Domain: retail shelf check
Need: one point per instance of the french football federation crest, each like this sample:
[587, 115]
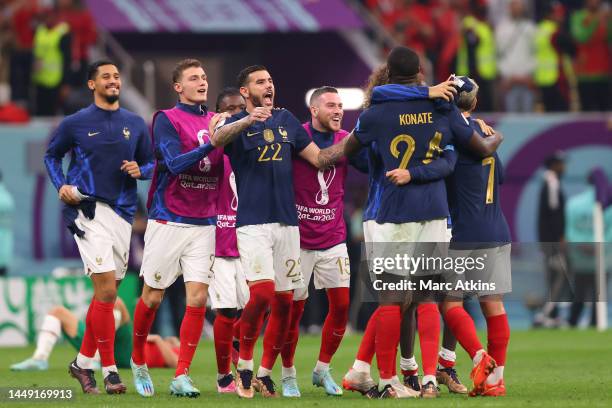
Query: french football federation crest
[283, 132]
[268, 135]
[126, 133]
[157, 276]
[99, 260]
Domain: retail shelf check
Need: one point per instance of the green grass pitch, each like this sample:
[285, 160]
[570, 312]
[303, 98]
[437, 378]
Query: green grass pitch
[544, 369]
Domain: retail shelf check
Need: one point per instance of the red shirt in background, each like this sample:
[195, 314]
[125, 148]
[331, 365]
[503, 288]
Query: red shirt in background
[24, 24]
[82, 29]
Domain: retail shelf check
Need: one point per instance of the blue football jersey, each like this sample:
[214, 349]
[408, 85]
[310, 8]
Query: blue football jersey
[473, 193]
[408, 135]
[99, 141]
[261, 157]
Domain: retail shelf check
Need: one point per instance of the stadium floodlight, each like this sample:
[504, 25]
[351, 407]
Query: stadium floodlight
[352, 98]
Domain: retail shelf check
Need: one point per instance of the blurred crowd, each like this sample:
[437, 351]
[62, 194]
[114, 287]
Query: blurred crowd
[527, 56]
[44, 53]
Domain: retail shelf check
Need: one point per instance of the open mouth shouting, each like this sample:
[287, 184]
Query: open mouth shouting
[268, 98]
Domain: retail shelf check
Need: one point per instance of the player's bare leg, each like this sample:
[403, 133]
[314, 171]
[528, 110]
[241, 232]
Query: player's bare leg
[498, 335]
[144, 315]
[408, 363]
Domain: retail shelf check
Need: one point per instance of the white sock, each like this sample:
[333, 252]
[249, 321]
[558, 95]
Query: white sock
[383, 382]
[496, 375]
[447, 355]
[478, 356]
[430, 378]
[47, 337]
[409, 363]
[361, 366]
[321, 367]
[108, 369]
[288, 372]
[245, 364]
[84, 362]
[263, 372]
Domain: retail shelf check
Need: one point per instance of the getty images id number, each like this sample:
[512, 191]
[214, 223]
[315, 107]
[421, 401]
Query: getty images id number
[40, 394]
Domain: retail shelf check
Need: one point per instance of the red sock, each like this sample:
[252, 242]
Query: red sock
[387, 339]
[88, 346]
[445, 363]
[367, 347]
[222, 329]
[260, 297]
[335, 323]
[103, 323]
[276, 330]
[428, 327]
[191, 331]
[143, 319]
[293, 333]
[409, 372]
[462, 326]
[498, 336]
[236, 329]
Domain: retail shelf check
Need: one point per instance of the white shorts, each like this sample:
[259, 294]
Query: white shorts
[171, 250]
[493, 278]
[228, 289]
[330, 266]
[106, 244]
[414, 239]
[271, 251]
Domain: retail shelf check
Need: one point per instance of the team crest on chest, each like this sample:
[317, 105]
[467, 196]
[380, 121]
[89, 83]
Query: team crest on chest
[268, 135]
[126, 133]
[283, 132]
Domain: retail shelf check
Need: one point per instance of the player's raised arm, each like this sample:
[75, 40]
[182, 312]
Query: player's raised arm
[227, 133]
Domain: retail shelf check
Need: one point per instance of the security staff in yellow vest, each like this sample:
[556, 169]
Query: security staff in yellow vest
[476, 54]
[549, 73]
[51, 49]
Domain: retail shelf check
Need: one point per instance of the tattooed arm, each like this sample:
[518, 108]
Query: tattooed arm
[227, 133]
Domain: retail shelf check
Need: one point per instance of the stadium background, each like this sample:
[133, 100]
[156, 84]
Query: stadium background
[305, 44]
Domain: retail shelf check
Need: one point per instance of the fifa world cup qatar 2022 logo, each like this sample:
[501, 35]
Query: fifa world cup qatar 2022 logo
[204, 165]
[325, 179]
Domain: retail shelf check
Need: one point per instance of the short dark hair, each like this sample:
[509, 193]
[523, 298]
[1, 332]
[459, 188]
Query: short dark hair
[320, 91]
[403, 64]
[92, 70]
[182, 65]
[228, 91]
[243, 75]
